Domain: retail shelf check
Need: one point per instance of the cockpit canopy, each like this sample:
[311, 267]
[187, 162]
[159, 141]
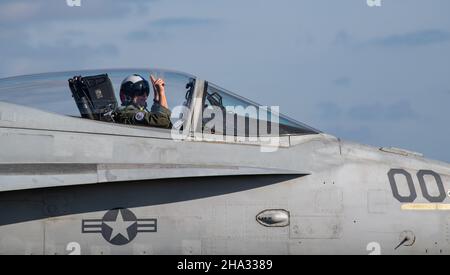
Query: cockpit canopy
[51, 92]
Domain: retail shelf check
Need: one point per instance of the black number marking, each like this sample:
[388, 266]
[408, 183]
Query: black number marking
[441, 197]
[412, 189]
[412, 196]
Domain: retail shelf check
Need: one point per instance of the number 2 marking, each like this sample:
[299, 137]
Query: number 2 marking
[74, 248]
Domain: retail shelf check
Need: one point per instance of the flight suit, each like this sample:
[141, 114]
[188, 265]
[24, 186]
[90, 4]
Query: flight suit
[159, 116]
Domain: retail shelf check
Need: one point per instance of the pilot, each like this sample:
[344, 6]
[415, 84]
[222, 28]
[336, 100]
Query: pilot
[134, 92]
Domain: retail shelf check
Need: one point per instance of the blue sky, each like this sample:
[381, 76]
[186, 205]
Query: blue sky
[377, 75]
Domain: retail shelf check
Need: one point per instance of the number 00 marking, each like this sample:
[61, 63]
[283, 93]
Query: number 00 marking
[412, 189]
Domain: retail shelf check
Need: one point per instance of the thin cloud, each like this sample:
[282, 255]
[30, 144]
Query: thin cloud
[184, 22]
[163, 29]
[413, 39]
[62, 55]
[18, 11]
[342, 38]
[24, 12]
[400, 110]
[141, 36]
[342, 81]
[329, 110]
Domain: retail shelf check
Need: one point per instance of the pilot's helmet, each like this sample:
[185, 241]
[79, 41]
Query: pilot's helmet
[133, 85]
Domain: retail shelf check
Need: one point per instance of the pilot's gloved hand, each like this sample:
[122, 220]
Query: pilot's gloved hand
[158, 84]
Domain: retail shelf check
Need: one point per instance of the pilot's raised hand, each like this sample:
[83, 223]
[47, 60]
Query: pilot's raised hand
[158, 87]
[158, 84]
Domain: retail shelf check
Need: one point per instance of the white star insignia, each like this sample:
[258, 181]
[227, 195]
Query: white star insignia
[119, 227]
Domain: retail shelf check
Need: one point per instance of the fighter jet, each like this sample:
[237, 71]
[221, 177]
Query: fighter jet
[230, 177]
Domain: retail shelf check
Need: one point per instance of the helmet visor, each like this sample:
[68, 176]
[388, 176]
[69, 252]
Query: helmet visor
[141, 88]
